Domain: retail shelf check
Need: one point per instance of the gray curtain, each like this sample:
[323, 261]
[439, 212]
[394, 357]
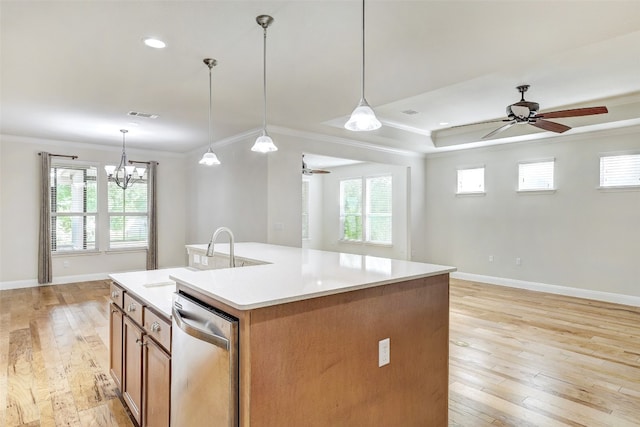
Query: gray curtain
[152, 250]
[45, 272]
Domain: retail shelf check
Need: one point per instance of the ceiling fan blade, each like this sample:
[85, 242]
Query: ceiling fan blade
[314, 171]
[589, 111]
[480, 123]
[500, 129]
[550, 126]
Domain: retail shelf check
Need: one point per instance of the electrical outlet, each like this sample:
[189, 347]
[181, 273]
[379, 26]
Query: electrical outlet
[384, 352]
[490, 258]
[518, 261]
[196, 259]
[204, 260]
[65, 264]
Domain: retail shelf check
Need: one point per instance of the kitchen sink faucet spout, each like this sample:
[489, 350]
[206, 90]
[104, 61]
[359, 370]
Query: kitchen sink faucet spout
[210, 248]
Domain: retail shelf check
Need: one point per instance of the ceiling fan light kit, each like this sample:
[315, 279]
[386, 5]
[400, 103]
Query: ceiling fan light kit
[526, 112]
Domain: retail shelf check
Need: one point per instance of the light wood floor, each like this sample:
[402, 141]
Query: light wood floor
[517, 358]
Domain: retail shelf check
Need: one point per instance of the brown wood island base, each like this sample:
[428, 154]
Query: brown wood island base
[315, 362]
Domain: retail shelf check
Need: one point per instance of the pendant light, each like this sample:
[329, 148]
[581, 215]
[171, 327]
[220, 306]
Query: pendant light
[363, 118]
[209, 158]
[264, 143]
[123, 174]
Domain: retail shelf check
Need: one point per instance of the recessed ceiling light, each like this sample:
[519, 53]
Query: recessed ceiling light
[410, 112]
[154, 43]
[444, 123]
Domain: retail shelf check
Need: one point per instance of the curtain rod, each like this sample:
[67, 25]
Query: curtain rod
[137, 161]
[61, 155]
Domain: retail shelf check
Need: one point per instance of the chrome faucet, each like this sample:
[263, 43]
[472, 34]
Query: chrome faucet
[210, 248]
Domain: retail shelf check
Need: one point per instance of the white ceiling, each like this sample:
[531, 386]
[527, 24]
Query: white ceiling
[71, 70]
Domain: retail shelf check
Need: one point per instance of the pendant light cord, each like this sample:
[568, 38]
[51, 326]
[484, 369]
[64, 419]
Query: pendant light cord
[363, 50]
[264, 80]
[210, 110]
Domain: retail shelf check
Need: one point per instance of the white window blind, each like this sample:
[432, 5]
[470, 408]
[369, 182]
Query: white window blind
[471, 180]
[536, 175]
[366, 209]
[620, 171]
[128, 215]
[305, 209]
[74, 207]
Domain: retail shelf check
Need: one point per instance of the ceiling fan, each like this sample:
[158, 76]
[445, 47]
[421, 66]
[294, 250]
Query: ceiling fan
[307, 171]
[526, 112]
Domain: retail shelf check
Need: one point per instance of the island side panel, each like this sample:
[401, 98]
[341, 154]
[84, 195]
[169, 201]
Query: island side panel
[315, 362]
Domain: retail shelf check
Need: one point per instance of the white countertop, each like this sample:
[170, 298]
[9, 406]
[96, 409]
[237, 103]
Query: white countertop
[294, 274]
[152, 286]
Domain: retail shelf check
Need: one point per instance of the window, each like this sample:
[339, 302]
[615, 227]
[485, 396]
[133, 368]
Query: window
[74, 207]
[366, 209]
[471, 180]
[305, 209]
[128, 215]
[620, 171]
[534, 176]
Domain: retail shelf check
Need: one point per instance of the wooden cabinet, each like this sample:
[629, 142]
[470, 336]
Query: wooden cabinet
[132, 340]
[115, 339]
[157, 385]
[140, 358]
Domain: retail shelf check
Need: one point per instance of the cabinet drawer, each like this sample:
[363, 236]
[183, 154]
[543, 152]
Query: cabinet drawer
[158, 327]
[133, 308]
[117, 295]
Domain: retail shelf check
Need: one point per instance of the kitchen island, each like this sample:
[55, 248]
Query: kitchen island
[312, 326]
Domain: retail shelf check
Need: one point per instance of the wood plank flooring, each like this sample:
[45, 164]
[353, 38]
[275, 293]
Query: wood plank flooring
[517, 358]
[522, 358]
[54, 359]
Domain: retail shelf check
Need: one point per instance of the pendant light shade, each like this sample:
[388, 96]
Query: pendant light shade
[264, 143]
[209, 158]
[363, 118]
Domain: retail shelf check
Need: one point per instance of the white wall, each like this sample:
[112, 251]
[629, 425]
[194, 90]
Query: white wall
[579, 236]
[232, 194]
[331, 210]
[316, 212]
[19, 207]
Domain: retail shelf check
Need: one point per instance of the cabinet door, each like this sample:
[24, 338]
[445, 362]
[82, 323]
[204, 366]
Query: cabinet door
[157, 385]
[115, 345]
[132, 375]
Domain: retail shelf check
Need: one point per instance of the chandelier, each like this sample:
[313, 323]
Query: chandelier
[123, 174]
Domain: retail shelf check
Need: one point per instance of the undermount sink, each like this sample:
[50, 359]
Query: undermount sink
[219, 261]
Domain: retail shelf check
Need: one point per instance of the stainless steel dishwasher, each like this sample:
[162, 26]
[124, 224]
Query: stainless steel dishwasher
[204, 365]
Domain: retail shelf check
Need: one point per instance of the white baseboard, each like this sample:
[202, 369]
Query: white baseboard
[552, 289]
[32, 283]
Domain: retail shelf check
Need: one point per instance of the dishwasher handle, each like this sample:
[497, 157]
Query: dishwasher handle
[201, 334]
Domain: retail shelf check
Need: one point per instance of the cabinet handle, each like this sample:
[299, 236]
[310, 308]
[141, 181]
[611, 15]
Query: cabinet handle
[115, 294]
[140, 343]
[155, 327]
[132, 307]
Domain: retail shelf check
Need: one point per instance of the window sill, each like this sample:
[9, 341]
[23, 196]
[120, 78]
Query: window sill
[124, 250]
[472, 194]
[619, 188]
[74, 253]
[361, 243]
[546, 191]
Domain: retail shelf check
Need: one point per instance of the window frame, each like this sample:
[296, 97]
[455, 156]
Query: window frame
[629, 187]
[471, 193]
[364, 211]
[124, 215]
[551, 189]
[54, 214]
